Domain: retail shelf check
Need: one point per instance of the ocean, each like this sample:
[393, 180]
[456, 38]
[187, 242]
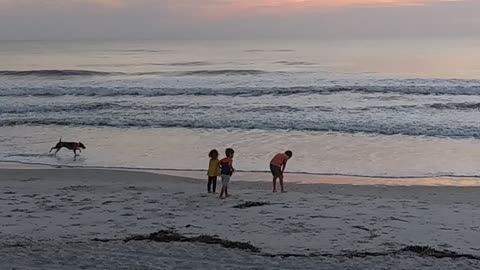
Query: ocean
[389, 108]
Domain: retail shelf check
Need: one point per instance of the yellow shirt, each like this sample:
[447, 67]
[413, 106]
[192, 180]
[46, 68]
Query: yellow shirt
[214, 167]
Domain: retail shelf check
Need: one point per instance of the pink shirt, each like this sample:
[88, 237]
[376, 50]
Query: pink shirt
[279, 160]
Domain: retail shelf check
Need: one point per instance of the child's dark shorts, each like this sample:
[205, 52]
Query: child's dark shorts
[276, 171]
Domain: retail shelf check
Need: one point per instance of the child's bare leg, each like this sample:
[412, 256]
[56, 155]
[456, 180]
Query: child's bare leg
[214, 184]
[221, 192]
[274, 182]
[226, 192]
[281, 183]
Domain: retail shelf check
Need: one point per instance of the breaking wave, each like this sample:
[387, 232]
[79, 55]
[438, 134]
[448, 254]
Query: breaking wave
[54, 73]
[53, 91]
[86, 73]
[324, 125]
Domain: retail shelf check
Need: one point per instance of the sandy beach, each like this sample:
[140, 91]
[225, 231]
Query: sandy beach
[78, 219]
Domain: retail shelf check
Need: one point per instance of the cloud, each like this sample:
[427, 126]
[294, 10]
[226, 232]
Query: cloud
[236, 19]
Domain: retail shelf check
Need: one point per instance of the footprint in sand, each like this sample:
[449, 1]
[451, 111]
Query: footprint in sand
[31, 179]
[29, 195]
[151, 201]
[107, 202]
[18, 210]
[77, 188]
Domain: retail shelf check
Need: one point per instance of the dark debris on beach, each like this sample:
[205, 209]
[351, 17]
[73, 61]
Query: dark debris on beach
[167, 236]
[170, 235]
[249, 204]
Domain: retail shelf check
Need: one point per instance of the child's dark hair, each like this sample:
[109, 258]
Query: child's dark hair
[289, 153]
[213, 154]
[229, 152]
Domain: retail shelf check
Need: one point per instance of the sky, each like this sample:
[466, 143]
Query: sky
[236, 19]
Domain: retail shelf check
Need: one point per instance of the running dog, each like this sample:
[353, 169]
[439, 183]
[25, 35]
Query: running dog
[74, 146]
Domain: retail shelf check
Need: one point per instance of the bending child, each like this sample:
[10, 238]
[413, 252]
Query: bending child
[277, 167]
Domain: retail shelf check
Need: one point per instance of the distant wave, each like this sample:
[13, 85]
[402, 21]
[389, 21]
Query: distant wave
[173, 64]
[456, 106]
[112, 107]
[142, 91]
[54, 73]
[472, 89]
[62, 73]
[260, 50]
[141, 50]
[466, 106]
[181, 64]
[224, 72]
[323, 125]
[63, 108]
[295, 63]
[207, 72]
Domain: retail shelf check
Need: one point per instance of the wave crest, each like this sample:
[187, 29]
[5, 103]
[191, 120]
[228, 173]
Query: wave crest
[322, 125]
[54, 73]
[472, 90]
[206, 72]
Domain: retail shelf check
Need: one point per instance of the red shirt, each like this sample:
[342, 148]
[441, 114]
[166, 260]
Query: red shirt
[279, 160]
[226, 165]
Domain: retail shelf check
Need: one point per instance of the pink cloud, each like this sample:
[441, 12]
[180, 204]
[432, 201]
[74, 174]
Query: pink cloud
[212, 9]
[225, 8]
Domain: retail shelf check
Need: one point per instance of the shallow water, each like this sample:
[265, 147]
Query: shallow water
[187, 149]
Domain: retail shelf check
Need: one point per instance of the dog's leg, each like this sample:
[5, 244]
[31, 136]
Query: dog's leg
[75, 152]
[57, 151]
[51, 149]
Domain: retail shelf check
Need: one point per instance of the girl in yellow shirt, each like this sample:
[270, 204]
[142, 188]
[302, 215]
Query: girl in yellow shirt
[213, 171]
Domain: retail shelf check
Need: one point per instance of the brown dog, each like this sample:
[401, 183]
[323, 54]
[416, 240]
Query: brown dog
[74, 146]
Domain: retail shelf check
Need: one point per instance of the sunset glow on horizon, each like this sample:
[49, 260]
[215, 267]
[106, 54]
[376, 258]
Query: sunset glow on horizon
[223, 7]
[252, 7]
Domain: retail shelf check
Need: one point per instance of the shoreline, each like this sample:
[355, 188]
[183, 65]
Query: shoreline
[291, 177]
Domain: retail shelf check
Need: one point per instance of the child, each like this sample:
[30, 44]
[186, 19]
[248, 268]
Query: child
[213, 170]
[227, 170]
[277, 167]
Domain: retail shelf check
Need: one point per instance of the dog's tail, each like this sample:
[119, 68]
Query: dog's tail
[60, 139]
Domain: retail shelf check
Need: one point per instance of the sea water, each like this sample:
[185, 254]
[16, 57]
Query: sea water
[358, 107]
